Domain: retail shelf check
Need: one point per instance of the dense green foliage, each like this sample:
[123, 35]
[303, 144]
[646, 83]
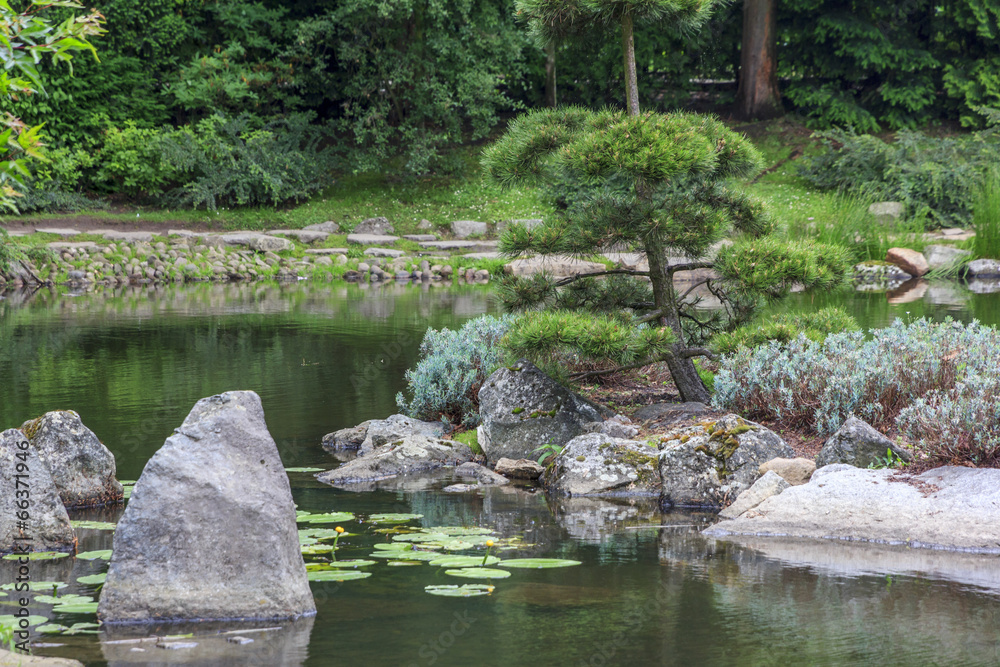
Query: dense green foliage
[936, 177]
[986, 216]
[785, 327]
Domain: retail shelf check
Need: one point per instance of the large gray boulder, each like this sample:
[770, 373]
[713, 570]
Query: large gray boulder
[523, 409]
[382, 431]
[82, 468]
[596, 464]
[47, 523]
[407, 456]
[949, 507]
[711, 463]
[858, 444]
[209, 531]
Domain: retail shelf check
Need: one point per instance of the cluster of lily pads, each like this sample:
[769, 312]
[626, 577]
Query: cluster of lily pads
[407, 546]
[411, 546]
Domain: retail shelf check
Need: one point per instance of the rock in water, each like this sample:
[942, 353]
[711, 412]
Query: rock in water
[858, 444]
[407, 456]
[82, 468]
[523, 409]
[770, 484]
[711, 463]
[949, 507]
[209, 532]
[47, 523]
[596, 464]
[382, 431]
[519, 469]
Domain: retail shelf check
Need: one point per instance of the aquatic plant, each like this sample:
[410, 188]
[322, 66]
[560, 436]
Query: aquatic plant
[453, 366]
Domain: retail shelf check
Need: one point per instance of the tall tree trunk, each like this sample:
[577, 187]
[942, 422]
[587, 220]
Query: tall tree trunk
[682, 369]
[758, 95]
[550, 76]
[631, 84]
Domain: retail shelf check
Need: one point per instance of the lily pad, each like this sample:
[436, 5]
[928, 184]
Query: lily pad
[304, 469]
[75, 629]
[407, 555]
[127, 492]
[353, 562]
[394, 518]
[37, 585]
[403, 563]
[460, 530]
[324, 533]
[393, 546]
[316, 549]
[127, 482]
[465, 561]
[338, 575]
[463, 591]
[77, 608]
[11, 621]
[93, 525]
[69, 598]
[479, 573]
[538, 563]
[103, 554]
[329, 517]
[38, 555]
[93, 579]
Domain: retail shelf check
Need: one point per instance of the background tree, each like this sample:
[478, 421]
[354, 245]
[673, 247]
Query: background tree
[758, 95]
[652, 183]
[550, 20]
[25, 37]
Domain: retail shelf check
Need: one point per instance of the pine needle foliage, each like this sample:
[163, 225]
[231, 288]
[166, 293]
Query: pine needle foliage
[657, 184]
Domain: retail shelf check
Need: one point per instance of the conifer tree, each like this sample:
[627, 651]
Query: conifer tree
[654, 183]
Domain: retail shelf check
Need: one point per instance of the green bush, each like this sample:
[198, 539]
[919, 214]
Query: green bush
[453, 366]
[242, 162]
[935, 177]
[131, 161]
[784, 328]
[986, 217]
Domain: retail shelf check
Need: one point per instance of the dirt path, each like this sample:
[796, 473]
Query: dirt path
[89, 223]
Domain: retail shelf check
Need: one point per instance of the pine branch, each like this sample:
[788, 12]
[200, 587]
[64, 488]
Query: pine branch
[611, 272]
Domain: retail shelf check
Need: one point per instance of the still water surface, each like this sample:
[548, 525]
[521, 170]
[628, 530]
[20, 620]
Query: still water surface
[650, 589]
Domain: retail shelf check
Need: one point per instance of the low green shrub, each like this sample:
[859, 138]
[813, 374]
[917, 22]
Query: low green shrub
[785, 327]
[936, 382]
[934, 176]
[242, 162]
[131, 161]
[453, 366]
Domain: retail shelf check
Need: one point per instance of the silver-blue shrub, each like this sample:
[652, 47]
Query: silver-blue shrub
[906, 376]
[453, 365]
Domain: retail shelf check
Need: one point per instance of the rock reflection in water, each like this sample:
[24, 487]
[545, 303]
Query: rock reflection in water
[284, 644]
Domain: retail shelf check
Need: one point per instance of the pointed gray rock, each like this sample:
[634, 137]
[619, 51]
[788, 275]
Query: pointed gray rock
[46, 523]
[82, 468]
[857, 444]
[209, 531]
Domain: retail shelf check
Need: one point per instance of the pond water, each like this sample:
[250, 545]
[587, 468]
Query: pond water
[650, 590]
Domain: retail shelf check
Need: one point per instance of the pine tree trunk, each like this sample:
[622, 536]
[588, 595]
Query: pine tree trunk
[682, 369]
[631, 83]
[758, 96]
[550, 76]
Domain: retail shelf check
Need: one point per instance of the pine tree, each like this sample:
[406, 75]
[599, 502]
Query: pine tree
[653, 183]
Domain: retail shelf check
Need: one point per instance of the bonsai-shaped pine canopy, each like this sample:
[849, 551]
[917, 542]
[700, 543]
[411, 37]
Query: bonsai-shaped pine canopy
[552, 20]
[652, 182]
